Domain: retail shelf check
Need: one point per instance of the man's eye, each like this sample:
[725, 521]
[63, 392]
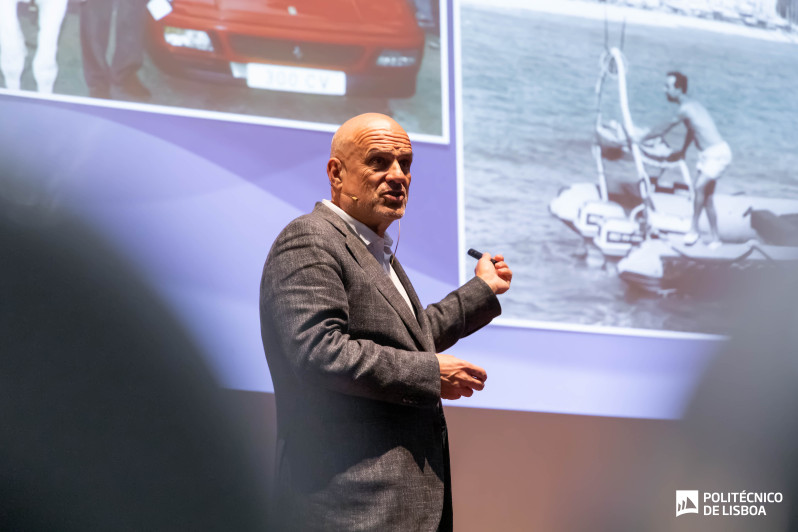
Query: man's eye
[378, 161]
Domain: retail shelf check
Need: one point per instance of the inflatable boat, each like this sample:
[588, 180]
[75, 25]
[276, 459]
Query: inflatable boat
[640, 223]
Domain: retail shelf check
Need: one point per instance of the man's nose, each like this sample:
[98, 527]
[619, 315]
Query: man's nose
[395, 172]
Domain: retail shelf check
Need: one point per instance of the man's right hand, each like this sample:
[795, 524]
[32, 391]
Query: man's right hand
[498, 275]
[459, 378]
[675, 156]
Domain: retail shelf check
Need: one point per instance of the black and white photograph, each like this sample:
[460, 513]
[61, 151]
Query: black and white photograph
[306, 60]
[637, 160]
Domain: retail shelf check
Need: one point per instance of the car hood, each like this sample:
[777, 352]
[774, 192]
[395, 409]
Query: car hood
[364, 16]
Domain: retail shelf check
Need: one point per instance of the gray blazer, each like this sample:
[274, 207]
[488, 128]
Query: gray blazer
[361, 434]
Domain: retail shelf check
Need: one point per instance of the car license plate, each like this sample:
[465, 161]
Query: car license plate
[296, 79]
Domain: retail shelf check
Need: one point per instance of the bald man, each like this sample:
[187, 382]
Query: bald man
[356, 360]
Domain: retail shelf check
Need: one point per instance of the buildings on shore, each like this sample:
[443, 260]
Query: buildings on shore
[770, 14]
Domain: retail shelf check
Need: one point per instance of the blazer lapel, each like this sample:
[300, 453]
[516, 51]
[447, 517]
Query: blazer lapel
[426, 340]
[378, 277]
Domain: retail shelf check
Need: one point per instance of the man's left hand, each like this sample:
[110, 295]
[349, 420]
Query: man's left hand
[498, 276]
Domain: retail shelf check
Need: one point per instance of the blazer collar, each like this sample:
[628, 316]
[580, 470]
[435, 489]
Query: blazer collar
[377, 275]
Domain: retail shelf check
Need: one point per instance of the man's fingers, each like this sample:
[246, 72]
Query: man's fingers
[459, 378]
[476, 384]
[466, 389]
[477, 372]
[457, 393]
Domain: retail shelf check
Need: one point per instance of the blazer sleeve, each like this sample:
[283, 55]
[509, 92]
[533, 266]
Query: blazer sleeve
[304, 302]
[462, 312]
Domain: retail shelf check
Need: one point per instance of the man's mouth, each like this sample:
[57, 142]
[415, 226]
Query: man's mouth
[394, 195]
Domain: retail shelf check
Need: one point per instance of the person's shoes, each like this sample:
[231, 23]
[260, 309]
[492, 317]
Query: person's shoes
[690, 238]
[103, 92]
[715, 244]
[133, 89]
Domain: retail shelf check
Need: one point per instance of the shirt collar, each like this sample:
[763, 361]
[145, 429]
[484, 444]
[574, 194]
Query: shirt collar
[365, 233]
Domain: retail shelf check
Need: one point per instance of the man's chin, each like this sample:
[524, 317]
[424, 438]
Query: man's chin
[392, 213]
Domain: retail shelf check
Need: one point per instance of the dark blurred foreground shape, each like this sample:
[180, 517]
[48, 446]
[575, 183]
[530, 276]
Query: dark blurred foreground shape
[740, 430]
[110, 419]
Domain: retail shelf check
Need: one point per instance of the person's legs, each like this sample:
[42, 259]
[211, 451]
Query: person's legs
[699, 201]
[12, 45]
[95, 26]
[709, 205]
[712, 162]
[45, 66]
[129, 50]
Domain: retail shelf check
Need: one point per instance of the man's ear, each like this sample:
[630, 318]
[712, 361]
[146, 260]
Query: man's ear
[334, 168]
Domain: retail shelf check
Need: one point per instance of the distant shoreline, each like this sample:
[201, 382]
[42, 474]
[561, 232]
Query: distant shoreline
[632, 15]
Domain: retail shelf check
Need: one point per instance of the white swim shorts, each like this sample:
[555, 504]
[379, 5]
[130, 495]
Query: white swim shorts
[714, 160]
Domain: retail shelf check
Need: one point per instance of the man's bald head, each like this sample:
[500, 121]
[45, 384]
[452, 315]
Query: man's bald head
[354, 128]
[369, 169]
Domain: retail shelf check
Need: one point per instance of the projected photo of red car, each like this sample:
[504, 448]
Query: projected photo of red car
[328, 47]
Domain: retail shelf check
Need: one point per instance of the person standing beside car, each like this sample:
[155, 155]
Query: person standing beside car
[129, 20]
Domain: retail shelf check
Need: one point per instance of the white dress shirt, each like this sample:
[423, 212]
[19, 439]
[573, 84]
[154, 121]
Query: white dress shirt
[379, 246]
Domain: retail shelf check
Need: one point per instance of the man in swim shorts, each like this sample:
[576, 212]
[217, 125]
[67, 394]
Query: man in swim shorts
[714, 154]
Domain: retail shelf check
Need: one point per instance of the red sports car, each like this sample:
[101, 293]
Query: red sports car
[336, 47]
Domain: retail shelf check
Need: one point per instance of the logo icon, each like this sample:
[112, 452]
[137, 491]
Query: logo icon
[298, 53]
[686, 502]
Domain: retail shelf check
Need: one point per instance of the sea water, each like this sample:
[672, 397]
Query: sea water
[528, 115]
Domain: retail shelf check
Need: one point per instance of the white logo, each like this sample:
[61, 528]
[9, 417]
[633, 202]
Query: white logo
[686, 502]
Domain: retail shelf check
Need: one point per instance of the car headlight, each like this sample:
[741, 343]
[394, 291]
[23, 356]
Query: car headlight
[196, 39]
[398, 58]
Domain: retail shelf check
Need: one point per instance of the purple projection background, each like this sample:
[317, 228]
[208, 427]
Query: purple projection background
[194, 205]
